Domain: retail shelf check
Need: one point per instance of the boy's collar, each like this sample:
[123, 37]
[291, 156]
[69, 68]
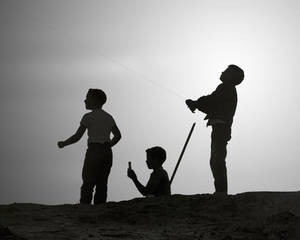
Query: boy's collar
[97, 109]
[160, 168]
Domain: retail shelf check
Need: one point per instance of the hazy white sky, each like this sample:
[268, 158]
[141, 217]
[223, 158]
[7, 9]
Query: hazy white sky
[148, 56]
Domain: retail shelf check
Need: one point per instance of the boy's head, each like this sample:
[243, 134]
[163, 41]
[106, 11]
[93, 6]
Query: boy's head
[156, 156]
[95, 98]
[233, 75]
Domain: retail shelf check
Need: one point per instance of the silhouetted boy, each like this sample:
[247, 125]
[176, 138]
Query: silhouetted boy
[98, 158]
[220, 108]
[158, 184]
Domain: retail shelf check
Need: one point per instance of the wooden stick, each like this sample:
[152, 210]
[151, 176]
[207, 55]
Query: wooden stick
[182, 152]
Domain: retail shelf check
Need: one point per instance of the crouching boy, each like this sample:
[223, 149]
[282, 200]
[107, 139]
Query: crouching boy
[158, 184]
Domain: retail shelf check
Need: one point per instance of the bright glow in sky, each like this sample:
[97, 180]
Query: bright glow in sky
[148, 56]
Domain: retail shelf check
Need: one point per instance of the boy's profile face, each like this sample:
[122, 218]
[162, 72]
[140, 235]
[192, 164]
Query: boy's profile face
[90, 102]
[226, 76]
[152, 162]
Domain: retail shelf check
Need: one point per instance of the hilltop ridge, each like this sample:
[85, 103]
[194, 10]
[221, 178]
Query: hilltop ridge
[251, 215]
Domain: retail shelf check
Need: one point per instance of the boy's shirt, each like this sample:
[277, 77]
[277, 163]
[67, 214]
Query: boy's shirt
[219, 106]
[158, 183]
[99, 124]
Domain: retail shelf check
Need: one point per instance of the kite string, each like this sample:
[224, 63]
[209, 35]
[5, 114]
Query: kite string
[114, 61]
[143, 77]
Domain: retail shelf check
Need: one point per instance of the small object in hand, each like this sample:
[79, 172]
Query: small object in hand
[131, 174]
[129, 165]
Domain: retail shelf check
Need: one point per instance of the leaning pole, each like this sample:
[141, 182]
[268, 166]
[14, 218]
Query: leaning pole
[182, 152]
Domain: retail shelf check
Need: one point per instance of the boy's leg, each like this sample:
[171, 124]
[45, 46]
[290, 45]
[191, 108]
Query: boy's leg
[89, 176]
[219, 138]
[102, 175]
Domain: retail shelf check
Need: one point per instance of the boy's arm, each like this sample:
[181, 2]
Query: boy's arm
[140, 187]
[117, 136]
[74, 138]
[207, 103]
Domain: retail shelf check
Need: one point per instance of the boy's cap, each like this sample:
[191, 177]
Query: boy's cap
[98, 94]
[237, 73]
[158, 153]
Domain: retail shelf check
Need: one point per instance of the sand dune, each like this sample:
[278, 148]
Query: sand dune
[253, 215]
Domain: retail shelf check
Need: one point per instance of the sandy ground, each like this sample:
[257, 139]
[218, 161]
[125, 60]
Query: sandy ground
[253, 215]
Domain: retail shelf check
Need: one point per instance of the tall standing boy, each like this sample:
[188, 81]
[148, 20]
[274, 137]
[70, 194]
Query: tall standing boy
[98, 158]
[220, 108]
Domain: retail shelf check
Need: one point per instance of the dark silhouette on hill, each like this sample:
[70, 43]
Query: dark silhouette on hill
[98, 158]
[158, 184]
[220, 108]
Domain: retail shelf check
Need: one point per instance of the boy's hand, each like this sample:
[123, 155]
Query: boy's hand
[60, 144]
[131, 174]
[191, 105]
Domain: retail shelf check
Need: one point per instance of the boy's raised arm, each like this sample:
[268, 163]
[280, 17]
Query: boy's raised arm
[206, 103]
[140, 187]
[74, 138]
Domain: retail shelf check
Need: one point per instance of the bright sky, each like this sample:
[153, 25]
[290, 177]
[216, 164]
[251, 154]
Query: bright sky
[148, 56]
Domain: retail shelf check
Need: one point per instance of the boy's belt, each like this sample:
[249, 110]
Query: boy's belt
[95, 144]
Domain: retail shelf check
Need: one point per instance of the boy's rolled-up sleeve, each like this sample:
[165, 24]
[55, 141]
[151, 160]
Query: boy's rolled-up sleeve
[112, 122]
[84, 121]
